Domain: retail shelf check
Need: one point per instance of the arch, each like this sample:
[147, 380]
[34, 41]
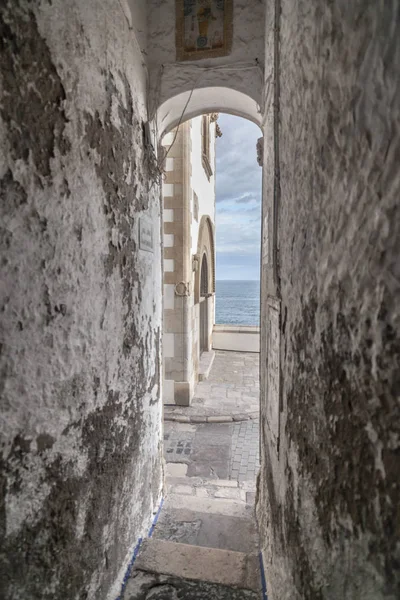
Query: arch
[193, 103]
[205, 246]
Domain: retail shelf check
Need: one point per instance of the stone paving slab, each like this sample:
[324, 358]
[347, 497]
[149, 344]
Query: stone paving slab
[231, 393]
[178, 443]
[211, 451]
[220, 451]
[211, 488]
[219, 506]
[208, 530]
[245, 453]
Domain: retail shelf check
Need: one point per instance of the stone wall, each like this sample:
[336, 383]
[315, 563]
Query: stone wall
[329, 487]
[177, 301]
[80, 301]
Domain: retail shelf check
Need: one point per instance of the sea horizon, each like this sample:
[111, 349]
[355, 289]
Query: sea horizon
[236, 303]
[237, 280]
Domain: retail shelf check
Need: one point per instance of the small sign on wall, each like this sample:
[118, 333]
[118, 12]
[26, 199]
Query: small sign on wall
[146, 237]
[273, 368]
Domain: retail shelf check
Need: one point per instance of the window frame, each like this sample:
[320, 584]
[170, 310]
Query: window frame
[205, 145]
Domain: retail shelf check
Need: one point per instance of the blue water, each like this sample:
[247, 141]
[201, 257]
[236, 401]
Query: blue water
[237, 302]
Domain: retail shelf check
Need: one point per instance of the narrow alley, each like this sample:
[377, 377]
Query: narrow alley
[205, 543]
[116, 125]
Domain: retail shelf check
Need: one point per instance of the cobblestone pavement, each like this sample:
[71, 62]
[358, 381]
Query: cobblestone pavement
[245, 454]
[210, 488]
[178, 442]
[231, 391]
[214, 451]
[219, 450]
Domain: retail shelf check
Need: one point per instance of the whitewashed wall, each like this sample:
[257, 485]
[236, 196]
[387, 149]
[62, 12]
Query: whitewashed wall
[200, 184]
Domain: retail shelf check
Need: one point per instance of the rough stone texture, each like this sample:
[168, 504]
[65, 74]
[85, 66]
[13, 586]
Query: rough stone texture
[80, 302]
[208, 529]
[226, 567]
[152, 586]
[215, 449]
[329, 495]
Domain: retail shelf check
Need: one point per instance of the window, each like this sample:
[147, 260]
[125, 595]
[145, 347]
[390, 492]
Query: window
[195, 207]
[204, 277]
[205, 144]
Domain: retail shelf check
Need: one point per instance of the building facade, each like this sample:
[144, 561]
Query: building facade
[189, 253]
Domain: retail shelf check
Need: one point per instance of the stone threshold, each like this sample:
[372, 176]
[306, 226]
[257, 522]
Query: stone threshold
[211, 418]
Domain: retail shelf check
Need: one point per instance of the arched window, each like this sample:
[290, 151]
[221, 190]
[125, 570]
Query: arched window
[204, 277]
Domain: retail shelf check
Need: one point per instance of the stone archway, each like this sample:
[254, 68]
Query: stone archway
[189, 104]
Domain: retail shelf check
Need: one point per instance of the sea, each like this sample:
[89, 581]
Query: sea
[237, 302]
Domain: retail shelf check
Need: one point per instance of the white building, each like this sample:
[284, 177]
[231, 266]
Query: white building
[189, 253]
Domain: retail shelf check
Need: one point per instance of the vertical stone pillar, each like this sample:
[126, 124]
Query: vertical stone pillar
[177, 270]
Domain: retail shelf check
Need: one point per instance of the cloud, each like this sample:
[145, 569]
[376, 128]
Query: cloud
[238, 267]
[247, 198]
[237, 232]
[238, 196]
[238, 173]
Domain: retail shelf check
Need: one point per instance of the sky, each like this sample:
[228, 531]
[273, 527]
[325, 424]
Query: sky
[238, 200]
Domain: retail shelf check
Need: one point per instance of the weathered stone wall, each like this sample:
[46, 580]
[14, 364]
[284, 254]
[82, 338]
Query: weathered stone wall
[329, 488]
[80, 301]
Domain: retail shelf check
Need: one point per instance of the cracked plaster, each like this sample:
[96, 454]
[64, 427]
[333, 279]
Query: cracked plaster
[80, 302]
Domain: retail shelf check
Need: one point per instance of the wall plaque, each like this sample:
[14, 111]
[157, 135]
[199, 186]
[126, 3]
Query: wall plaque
[146, 238]
[203, 28]
[273, 368]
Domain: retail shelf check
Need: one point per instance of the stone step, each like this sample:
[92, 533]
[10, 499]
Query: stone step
[207, 529]
[196, 563]
[145, 586]
[243, 492]
[177, 478]
[205, 364]
[218, 506]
